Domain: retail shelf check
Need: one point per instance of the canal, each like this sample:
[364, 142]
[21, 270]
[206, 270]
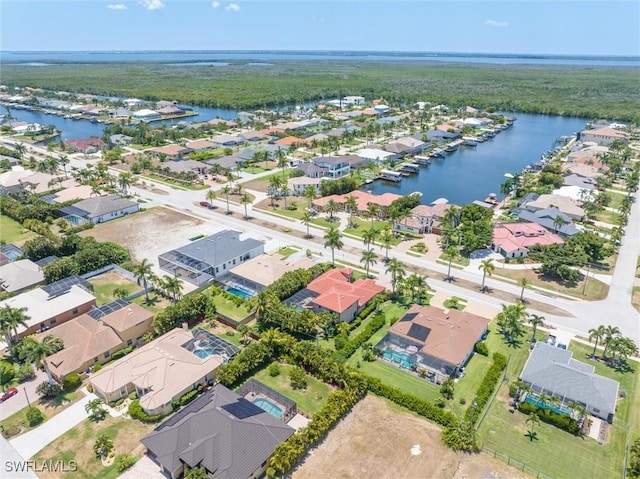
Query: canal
[471, 173]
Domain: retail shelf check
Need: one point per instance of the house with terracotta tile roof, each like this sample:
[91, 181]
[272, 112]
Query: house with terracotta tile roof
[170, 151]
[430, 216]
[291, 140]
[89, 341]
[84, 145]
[604, 136]
[512, 240]
[441, 341]
[336, 292]
[201, 145]
[363, 199]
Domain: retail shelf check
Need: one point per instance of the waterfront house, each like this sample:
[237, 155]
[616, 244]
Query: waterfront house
[333, 167]
[553, 371]
[100, 209]
[363, 200]
[170, 111]
[430, 216]
[564, 204]
[581, 181]
[440, 341]
[512, 240]
[52, 305]
[604, 136]
[171, 152]
[90, 340]
[552, 219]
[146, 115]
[377, 155]
[206, 259]
[120, 140]
[120, 113]
[227, 140]
[200, 145]
[164, 369]
[222, 432]
[298, 184]
[84, 145]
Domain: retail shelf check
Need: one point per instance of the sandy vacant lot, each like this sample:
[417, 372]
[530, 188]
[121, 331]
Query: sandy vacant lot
[375, 441]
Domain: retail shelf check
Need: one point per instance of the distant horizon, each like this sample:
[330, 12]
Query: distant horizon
[319, 50]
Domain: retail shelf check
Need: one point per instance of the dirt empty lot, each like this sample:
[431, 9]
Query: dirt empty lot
[375, 441]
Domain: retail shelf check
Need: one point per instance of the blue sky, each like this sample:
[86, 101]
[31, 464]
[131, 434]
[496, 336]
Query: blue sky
[537, 26]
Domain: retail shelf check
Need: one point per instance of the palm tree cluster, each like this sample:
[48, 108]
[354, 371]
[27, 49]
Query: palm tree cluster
[168, 286]
[10, 320]
[618, 346]
[511, 321]
[414, 287]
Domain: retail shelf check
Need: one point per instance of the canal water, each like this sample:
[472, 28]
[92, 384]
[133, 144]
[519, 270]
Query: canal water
[471, 173]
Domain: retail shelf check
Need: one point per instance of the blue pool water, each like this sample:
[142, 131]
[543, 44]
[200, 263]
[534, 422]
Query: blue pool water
[540, 404]
[203, 353]
[268, 406]
[400, 358]
[12, 255]
[239, 292]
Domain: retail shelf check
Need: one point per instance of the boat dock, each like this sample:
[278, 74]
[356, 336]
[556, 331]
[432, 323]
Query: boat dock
[409, 168]
[422, 160]
[390, 175]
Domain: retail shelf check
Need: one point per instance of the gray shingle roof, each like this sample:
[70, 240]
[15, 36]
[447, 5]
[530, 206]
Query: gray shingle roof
[220, 247]
[546, 218]
[554, 370]
[101, 205]
[228, 435]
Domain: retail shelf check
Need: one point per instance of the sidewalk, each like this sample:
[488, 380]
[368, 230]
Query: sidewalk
[30, 443]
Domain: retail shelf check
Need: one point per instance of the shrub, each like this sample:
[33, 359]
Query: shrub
[486, 388]
[461, 437]
[121, 353]
[7, 372]
[34, 416]
[550, 417]
[340, 341]
[124, 462]
[24, 372]
[350, 347]
[440, 402]
[513, 388]
[136, 412]
[447, 388]
[274, 370]
[90, 387]
[96, 368]
[298, 378]
[133, 396]
[47, 390]
[188, 397]
[481, 348]
[119, 402]
[71, 381]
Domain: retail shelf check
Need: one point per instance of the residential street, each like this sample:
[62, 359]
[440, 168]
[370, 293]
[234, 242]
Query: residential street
[19, 401]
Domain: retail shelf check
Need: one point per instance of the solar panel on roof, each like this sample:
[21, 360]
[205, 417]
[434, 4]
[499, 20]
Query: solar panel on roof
[418, 332]
[64, 285]
[409, 317]
[108, 308]
[242, 409]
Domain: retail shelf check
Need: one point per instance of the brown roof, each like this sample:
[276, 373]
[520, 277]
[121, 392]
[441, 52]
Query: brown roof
[337, 294]
[171, 150]
[127, 317]
[451, 333]
[438, 210]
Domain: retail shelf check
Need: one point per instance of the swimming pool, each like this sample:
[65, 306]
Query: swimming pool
[268, 406]
[12, 255]
[401, 358]
[203, 352]
[557, 409]
[239, 292]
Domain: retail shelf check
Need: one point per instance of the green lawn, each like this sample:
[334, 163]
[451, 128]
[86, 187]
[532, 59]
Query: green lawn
[459, 260]
[308, 401]
[505, 432]
[467, 387]
[228, 308]
[11, 231]
[361, 225]
[287, 251]
[155, 304]
[287, 174]
[104, 285]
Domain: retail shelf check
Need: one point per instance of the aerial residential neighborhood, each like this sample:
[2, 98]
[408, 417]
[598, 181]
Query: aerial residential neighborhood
[390, 267]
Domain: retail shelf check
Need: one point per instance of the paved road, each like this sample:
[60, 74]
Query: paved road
[30, 443]
[19, 401]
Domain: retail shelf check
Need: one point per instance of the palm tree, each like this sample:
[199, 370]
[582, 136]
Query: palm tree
[352, 206]
[369, 236]
[397, 270]
[211, 196]
[226, 190]
[333, 240]
[307, 219]
[524, 283]
[264, 302]
[532, 420]
[243, 330]
[450, 253]
[309, 193]
[10, 319]
[416, 284]
[368, 258]
[281, 159]
[124, 182]
[275, 183]
[598, 334]
[487, 267]
[20, 150]
[64, 161]
[610, 332]
[331, 207]
[38, 351]
[386, 238]
[173, 286]
[245, 200]
[372, 211]
[143, 273]
[284, 190]
[558, 223]
[535, 320]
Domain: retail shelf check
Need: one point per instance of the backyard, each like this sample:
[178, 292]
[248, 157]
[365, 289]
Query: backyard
[13, 232]
[506, 432]
[228, 308]
[76, 444]
[105, 284]
[309, 400]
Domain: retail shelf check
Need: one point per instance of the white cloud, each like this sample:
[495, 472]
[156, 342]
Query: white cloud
[151, 4]
[233, 7]
[495, 23]
[215, 4]
[117, 6]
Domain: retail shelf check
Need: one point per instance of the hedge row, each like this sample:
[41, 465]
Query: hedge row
[550, 417]
[121, 353]
[377, 322]
[411, 402]
[337, 405]
[251, 358]
[136, 412]
[487, 387]
[186, 398]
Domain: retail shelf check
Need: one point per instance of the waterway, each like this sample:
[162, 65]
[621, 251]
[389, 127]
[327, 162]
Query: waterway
[261, 58]
[471, 173]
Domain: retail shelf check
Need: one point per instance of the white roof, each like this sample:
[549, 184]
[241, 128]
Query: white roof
[20, 274]
[373, 153]
[41, 307]
[146, 112]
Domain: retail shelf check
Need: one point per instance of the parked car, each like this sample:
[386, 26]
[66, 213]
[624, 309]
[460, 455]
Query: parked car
[8, 393]
[551, 340]
[206, 204]
[562, 346]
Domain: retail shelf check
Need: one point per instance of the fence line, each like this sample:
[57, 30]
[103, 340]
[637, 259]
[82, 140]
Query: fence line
[517, 464]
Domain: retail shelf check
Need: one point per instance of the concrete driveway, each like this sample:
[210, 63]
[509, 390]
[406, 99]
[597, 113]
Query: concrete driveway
[19, 401]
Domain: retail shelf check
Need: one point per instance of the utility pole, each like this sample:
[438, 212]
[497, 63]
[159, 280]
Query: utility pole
[584, 287]
[25, 393]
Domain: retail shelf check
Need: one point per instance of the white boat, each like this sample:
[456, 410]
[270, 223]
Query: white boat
[470, 141]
